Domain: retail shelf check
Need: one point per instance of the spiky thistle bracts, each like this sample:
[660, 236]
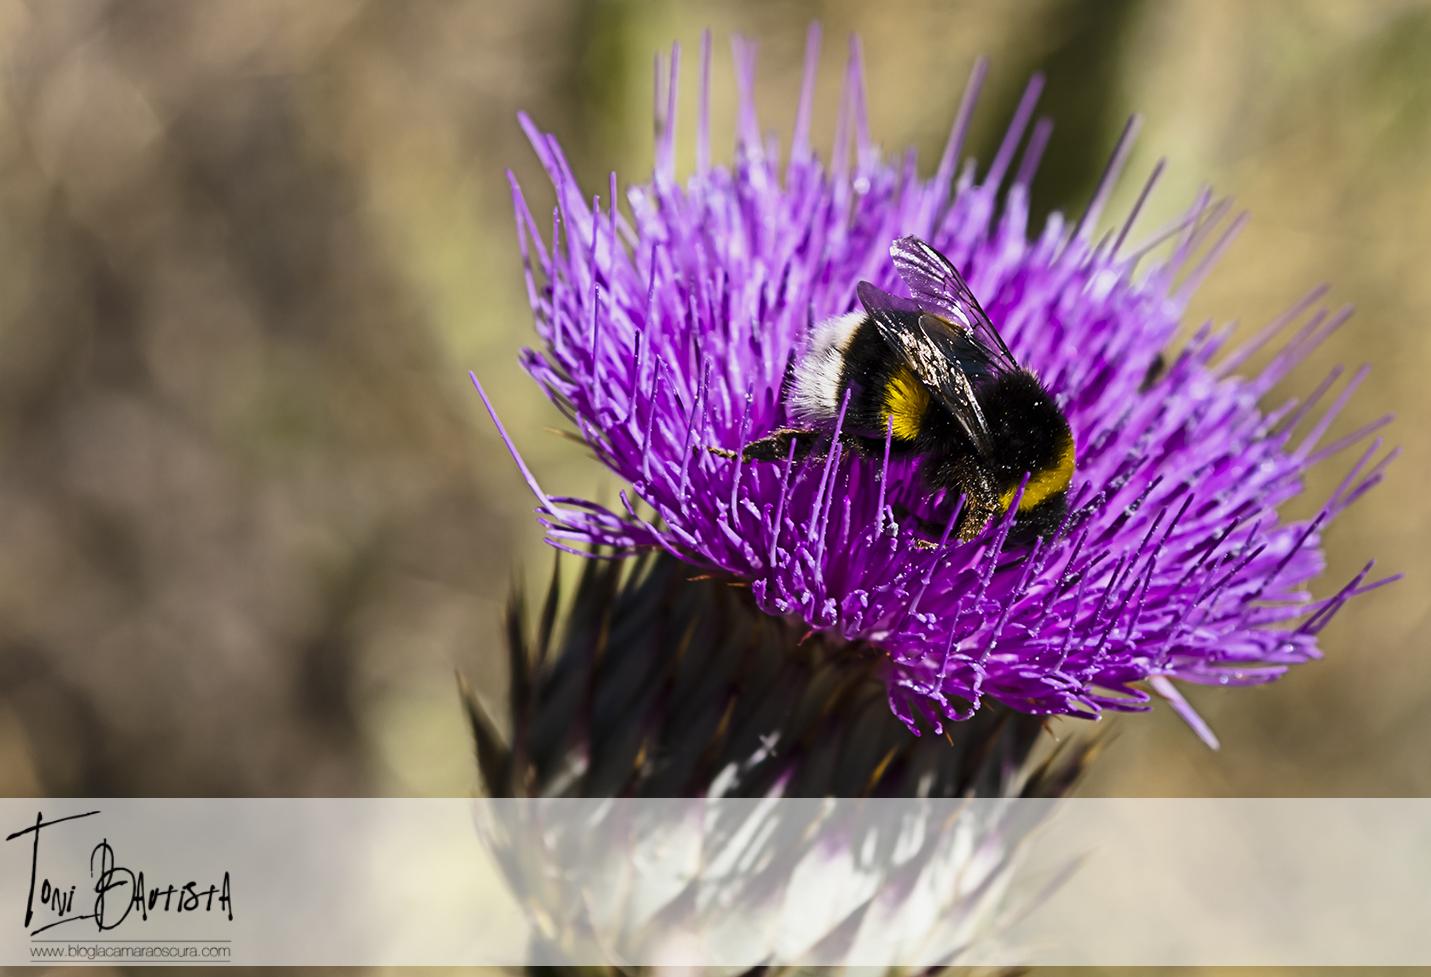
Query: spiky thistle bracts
[667, 329]
[637, 681]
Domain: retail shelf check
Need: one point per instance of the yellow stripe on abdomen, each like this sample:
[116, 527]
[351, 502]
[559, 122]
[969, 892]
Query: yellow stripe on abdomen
[1043, 484]
[906, 401]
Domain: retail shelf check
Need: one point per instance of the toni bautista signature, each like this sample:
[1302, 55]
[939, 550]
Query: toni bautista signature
[118, 891]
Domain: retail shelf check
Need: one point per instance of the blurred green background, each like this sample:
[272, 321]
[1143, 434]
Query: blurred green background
[254, 513]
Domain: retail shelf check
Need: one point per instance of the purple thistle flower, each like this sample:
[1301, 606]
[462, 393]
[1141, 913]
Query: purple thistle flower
[666, 331]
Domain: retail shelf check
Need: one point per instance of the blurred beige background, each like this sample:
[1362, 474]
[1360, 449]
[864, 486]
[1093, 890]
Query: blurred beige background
[254, 514]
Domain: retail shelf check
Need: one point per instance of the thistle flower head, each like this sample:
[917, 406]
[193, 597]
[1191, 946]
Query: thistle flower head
[667, 327]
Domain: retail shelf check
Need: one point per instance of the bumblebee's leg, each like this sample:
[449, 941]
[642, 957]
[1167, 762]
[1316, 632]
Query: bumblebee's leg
[931, 531]
[973, 518]
[871, 448]
[964, 475]
[978, 513]
[776, 445]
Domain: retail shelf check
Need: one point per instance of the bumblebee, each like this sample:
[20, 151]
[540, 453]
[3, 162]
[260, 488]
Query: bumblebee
[930, 376]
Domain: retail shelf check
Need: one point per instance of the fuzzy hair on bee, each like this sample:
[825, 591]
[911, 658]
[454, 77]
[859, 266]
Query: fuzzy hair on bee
[931, 376]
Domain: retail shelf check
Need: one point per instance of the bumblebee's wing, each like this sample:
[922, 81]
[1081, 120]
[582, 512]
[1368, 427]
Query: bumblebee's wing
[936, 353]
[937, 288]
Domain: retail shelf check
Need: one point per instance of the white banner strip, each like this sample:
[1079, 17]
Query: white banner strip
[723, 884]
